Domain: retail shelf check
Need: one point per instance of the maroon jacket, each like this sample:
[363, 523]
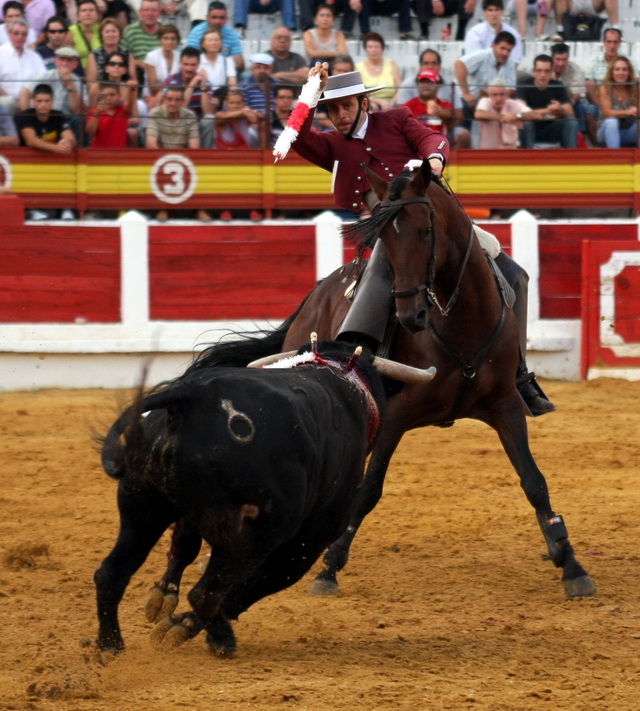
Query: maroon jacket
[393, 138]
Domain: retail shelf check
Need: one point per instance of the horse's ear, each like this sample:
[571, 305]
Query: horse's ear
[422, 178]
[378, 184]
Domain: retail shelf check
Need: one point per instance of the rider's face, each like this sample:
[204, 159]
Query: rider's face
[343, 113]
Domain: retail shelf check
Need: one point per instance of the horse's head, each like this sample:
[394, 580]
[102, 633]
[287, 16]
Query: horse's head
[404, 221]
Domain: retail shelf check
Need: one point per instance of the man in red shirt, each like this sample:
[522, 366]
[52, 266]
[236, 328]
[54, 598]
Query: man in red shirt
[108, 122]
[427, 107]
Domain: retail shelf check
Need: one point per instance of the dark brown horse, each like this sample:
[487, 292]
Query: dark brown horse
[453, 317]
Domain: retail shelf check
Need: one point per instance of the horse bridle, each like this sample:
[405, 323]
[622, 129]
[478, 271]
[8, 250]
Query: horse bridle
[394, 207]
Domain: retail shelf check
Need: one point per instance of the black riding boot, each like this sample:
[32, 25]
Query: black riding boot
[366, 320]
[532, 394]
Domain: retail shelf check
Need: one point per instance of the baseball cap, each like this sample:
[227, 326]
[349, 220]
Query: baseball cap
[429, 75]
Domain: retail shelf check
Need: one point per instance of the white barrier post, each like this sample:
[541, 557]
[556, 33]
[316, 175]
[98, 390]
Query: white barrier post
[525, 251]
[134, 267]
[329, 244]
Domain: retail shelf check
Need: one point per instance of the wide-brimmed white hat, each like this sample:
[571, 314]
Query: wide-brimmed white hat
[349, 84]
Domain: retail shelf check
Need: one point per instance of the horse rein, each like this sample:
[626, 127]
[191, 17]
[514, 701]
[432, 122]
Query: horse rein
[396, 206]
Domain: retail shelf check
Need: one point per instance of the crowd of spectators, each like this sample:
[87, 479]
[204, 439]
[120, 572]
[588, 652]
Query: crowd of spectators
[99, 74]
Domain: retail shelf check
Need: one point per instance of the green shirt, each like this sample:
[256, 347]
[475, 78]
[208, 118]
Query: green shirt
[136, 40]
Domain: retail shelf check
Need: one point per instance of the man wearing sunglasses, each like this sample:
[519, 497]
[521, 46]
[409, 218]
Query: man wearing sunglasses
[55, 33]
[231, 41]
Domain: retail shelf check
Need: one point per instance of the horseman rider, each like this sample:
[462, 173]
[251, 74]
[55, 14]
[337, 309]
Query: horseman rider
[387, 142]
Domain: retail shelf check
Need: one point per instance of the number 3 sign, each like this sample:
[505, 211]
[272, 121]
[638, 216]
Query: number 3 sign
[173, 178]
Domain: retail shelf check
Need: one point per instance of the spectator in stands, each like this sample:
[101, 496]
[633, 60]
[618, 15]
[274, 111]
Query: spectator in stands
[13, 10]
[108, 123]
[173, 127]
[309, 8]
[85, 34]
[500, 118]
[8, 133]
[111, 40]
[45, 129]
[66, 86]
[385, 8]
[176, 13]
[378, 70]
[231, 41]
[572, 76]
[284, 100]
[474, 72]
[594, 72]
[585, 7]
[242, 8]
[481, 36]
[220, 71]
[426, 10]
[141, 37]
[119, 10]
[551, 119]
[323, 42]
[37, 12]
[260, 85]
[618, 100]
[198, 93]
[17, 64]
[162, 62]
[343, 64]
[427, 107]
[288, 66]
[116, 74]
[55, 32]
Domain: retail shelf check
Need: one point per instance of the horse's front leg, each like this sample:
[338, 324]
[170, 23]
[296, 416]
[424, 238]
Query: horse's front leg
[511, 426]
[337, 555]
[163, 596]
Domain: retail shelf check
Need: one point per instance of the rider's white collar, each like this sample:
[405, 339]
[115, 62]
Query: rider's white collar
[363, 129]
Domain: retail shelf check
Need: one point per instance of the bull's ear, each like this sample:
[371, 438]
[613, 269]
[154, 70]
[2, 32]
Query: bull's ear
[422, 178]
[378, 184]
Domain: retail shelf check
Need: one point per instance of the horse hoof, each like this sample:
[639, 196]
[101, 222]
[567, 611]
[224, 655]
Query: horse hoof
[580, 587]
[159, 604]
[323, 587]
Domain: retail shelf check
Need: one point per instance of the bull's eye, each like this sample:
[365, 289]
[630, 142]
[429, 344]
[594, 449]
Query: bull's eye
[239, 424]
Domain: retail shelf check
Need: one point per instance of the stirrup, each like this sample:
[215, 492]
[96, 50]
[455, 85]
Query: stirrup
[534, 398]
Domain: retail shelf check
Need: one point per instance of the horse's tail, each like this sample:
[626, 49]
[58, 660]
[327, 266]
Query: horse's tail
[247, 347]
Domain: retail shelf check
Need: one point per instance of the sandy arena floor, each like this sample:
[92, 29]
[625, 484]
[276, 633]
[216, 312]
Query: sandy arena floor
[446, 604]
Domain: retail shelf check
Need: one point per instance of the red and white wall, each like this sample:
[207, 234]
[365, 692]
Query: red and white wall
[83, 305]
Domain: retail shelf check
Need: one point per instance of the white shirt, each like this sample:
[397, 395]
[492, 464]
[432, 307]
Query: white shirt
[219, 71]
[157, 60]
[481, 37]
[20, 67]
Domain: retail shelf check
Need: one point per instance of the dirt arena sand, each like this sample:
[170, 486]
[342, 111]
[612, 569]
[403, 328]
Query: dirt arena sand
[446, 604]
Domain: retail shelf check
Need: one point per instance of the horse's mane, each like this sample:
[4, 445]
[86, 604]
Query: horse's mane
[365, 232]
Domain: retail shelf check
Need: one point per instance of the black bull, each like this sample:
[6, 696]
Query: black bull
[264, 465]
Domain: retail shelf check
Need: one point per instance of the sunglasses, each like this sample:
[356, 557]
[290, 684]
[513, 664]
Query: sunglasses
[57, 32]
[116, 64]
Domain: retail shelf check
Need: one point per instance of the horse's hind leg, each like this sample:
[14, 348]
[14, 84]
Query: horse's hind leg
[512, 430]
[163, 597]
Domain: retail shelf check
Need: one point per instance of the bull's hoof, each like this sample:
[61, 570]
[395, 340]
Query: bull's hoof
[324, 587]
[580, 587]
[160, 603]
[174, 631]
[221, 637]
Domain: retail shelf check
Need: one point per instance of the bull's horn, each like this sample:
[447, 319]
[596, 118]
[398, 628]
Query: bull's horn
[267, 360]
[404, 373]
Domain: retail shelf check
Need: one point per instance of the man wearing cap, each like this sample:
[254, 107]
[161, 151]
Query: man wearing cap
[65, 84]
[387, 142]
[256, 89]
[427, 107]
